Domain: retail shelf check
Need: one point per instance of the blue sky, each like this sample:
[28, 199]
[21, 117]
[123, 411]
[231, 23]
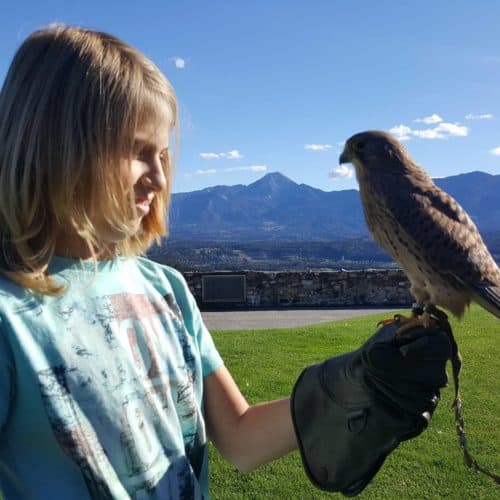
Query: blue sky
[270, 86]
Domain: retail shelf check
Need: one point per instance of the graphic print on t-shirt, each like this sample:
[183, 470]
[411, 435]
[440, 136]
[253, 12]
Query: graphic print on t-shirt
[121, 398]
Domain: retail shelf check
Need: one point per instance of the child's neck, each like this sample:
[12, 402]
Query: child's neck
[74, 247]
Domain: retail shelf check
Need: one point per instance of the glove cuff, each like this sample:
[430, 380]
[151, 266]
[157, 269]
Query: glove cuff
[344, 431]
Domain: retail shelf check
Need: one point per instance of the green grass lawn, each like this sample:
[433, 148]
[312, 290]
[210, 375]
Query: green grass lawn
[266, 363]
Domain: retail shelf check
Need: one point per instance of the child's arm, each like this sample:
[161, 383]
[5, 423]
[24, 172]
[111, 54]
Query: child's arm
[247, 436]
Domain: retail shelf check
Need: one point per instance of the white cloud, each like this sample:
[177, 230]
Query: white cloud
[430, 133]
[252, 168]
[442, 131]
[234, 154]
[258, 168]
[402, 132]
[179, 62]
[341, 172]
[429, 120]
[209, 171]
[484, 116]
[452, 129]
[495, 151]
[210, 156]
[317, 147]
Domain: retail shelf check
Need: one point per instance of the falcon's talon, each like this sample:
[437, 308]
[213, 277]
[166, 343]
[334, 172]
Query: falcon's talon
[385, 322]
[420, 316]
[424, 319]
[390, 321]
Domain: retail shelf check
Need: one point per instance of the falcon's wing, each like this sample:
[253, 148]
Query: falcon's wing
[488, 297]
[446, 235]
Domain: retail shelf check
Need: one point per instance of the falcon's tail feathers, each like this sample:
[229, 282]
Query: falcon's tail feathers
[489, 298]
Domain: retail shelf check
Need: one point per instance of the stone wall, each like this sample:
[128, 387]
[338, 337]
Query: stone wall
[371, 287]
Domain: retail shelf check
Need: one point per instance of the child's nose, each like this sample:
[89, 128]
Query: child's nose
[156, 176]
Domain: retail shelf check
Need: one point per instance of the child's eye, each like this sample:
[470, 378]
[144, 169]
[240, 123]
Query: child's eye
[141, 155]
[164, 156]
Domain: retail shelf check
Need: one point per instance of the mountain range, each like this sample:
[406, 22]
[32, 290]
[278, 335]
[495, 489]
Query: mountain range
[276, 208]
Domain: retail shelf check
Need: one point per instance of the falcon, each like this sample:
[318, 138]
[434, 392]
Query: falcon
[422, 227]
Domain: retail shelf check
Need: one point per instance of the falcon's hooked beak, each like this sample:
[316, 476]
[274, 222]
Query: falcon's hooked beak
[346, 156]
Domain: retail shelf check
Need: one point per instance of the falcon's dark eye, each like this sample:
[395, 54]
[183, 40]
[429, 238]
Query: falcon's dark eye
[360, 146]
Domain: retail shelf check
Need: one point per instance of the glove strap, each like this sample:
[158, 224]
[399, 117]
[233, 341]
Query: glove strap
[456, 362]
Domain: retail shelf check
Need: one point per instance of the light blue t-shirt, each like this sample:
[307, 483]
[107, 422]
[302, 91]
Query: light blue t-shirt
[101, 389]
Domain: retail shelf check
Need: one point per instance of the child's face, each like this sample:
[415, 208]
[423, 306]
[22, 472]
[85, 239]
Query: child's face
[150, 154]
[147, 176]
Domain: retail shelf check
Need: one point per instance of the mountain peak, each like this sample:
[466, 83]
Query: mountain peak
[273, 181]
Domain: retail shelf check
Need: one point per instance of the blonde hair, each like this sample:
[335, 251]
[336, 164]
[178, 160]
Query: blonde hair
[70, 105]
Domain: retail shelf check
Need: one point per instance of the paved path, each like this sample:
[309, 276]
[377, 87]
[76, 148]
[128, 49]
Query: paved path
[280, 318]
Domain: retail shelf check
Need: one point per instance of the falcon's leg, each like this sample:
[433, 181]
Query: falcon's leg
[418, 317]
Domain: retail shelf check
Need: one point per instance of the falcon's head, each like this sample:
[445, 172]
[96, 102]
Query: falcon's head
[375, 151]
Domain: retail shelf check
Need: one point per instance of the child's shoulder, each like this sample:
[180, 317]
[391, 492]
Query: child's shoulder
[159, 273]
[167, 281]
[10, 290]
[15, 298]
[149, 266]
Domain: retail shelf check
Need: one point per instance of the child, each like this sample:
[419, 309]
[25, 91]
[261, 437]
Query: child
[109, 380]
[104, 358]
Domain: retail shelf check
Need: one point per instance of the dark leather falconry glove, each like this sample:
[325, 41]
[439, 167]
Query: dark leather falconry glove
[351, 411]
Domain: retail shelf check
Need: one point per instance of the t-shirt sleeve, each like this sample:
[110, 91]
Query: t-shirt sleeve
[6, 378]
[210, 357]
